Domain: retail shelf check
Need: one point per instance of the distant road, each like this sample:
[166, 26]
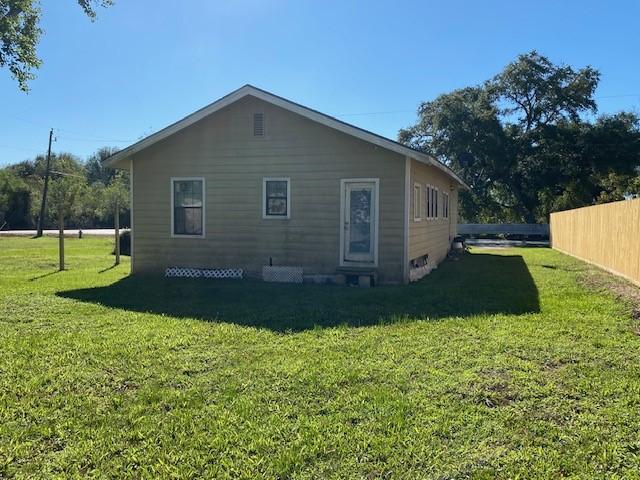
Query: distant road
[492, 243]
[71, 232]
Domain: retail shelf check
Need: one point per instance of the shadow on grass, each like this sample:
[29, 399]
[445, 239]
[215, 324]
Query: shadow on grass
[475, 284]
[33, 279]
[108, 268]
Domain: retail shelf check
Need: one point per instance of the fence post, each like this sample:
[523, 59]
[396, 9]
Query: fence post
[116, 222]
[61, 237]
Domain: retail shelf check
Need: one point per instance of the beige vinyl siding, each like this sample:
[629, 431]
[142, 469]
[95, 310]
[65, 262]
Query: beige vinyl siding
[432, 236]
[222, 149]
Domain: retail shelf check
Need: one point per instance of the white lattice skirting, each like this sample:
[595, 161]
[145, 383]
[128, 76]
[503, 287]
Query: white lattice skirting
[282, 274]
[235, 273]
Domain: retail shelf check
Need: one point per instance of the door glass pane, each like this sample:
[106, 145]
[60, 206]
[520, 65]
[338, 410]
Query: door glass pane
[360, 220]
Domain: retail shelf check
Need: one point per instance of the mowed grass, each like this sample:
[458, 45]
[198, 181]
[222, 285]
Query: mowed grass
[498, 365]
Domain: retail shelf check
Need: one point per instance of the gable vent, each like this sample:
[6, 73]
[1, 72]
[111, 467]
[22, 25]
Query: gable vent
[258, 124]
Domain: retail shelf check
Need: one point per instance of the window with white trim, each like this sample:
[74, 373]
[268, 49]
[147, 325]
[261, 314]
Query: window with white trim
[417, 202]
[276, 197]
[187, 207]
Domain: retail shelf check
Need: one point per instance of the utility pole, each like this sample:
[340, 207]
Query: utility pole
[43, 205]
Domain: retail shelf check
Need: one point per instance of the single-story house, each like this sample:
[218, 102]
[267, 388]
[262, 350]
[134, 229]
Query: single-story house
[254, 180]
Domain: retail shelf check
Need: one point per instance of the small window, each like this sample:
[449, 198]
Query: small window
[276, 193]
[432, 202]
[258, 124]
[187, 207]
[417, 202]
[427, 196]
[445, 205]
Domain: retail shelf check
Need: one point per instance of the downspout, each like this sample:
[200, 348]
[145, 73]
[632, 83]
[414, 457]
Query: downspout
[451, 190]
[407, 199]
[131, 254]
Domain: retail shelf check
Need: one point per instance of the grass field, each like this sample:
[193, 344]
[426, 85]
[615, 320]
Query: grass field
[500, 365]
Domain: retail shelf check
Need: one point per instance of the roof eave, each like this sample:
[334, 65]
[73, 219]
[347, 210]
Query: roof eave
[309, 113]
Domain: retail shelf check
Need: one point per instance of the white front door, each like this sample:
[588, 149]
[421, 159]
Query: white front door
[359, 221]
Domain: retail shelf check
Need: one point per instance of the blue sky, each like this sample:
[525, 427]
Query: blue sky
[146, 63]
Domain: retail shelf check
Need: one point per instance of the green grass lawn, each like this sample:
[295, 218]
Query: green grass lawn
[499, 365]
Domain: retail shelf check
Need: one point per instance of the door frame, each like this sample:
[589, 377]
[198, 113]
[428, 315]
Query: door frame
[376, 218]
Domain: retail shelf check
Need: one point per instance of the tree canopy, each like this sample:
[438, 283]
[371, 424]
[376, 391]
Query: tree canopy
[92, 191]
[525, 145]
[20, 32]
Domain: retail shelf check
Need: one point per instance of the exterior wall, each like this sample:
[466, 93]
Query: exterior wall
[432, 237]
[222, 149]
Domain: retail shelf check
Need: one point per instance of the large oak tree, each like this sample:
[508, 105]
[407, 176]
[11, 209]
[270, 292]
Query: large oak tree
[524, 144]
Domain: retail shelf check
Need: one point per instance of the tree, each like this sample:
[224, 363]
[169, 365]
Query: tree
[96, 170]
[538, 93]
[20, 32]
[67, 186]
[14, 200]
[90, 213]
[463, 129]
[520, 141]
[65, 192]
[114, 200]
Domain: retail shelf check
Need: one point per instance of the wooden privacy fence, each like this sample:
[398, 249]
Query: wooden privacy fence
[606, 235]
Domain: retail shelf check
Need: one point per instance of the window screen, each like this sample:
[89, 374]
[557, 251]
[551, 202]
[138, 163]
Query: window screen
[276, 198]
[187, 207]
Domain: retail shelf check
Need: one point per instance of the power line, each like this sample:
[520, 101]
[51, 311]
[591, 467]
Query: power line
[87, 139]
[619, 96]
[374, 113]
[83, 138]
[66, 174]
[32, 150]
[81, 135]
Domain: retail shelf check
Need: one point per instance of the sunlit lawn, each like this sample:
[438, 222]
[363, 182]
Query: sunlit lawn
[498, 365]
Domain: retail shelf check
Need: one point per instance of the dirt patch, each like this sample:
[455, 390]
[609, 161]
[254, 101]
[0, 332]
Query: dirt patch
[493, 388]
[499, 395]
[553, 365]
[126, 386]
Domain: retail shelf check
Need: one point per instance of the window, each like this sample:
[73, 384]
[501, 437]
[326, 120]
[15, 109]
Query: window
[431, 196]
[427, 196]
[445, 205]
[187, 207]
[276, 196]
[258, 124]
[417, 202]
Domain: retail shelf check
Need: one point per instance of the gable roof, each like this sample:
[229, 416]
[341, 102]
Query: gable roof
[281, 102]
